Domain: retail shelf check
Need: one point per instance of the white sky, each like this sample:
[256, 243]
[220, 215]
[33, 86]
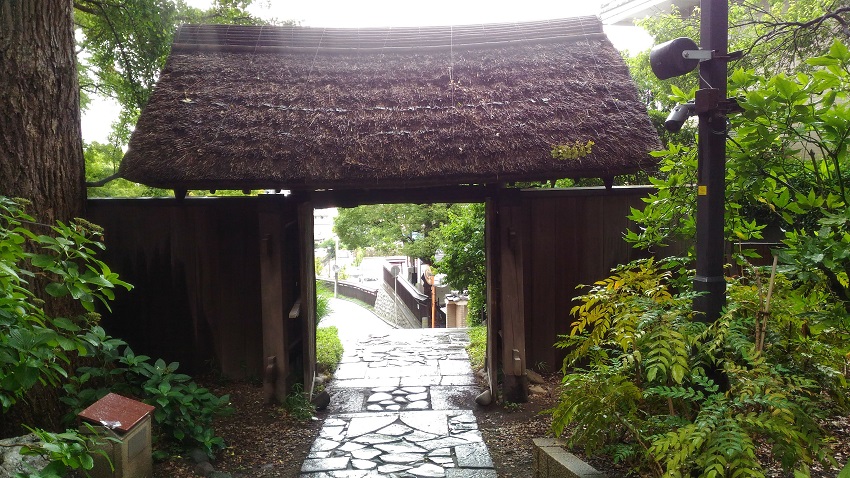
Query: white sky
[97, 120]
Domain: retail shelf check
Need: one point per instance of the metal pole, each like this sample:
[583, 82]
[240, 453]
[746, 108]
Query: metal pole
[433, 304]
[710, 245]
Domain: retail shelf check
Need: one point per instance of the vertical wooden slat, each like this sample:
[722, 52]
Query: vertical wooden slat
[511, 232]
[547, 293]
[272, 297]
[308, 294]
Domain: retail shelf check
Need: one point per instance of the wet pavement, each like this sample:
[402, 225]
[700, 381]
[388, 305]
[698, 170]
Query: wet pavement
[401, 406]
[353, 321]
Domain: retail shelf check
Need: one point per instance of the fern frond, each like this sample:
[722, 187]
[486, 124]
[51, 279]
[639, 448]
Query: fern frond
[679, 393]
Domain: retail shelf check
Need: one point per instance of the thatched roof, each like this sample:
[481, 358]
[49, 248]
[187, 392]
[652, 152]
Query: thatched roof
[241, 107]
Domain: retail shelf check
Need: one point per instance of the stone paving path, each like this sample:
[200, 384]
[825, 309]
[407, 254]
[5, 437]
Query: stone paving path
[401, 407]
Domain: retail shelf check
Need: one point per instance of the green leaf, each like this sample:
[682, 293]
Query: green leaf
[845, 472]
[786, 88]
[42, 260]
[822, 61]
[56, 289]
[92, 277]
[65, 324]
[839, 50]
[87, 461]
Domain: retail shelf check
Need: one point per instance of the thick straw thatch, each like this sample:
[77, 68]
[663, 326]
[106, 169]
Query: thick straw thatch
[314, 108]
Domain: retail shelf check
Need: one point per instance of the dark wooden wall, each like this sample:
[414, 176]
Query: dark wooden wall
[195, 267]
[574, 236]
[216, 279]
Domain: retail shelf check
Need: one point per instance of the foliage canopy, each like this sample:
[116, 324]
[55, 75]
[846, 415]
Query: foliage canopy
[389, 229]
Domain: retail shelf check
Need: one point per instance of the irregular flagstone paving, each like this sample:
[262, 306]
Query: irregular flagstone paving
[401, 407]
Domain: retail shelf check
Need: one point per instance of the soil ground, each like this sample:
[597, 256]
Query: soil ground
[265, 442]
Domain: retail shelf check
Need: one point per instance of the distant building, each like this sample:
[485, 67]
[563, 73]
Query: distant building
[323, 224]
[625, 12]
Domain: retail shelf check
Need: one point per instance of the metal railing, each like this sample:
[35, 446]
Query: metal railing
[353, 290]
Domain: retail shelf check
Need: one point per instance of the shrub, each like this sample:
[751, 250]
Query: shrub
[184, 411]
[69, 450]
[328, 348]
[297, 405]
[645, 382]
[36, 347]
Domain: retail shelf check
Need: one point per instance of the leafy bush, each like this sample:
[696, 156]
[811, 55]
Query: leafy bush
[69, 450]
[36, 347]
[184, 411]
[645, 382]
[462, 242]
[786, 171]
[328, 348]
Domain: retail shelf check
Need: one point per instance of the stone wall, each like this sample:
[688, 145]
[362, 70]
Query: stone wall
[551, 460]
[400, 316]
[11, 460]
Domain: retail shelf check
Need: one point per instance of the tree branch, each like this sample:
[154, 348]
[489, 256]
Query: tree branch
[793, 29]
[101, 182]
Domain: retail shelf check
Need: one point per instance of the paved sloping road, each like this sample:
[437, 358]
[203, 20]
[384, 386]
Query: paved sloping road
[353, 321]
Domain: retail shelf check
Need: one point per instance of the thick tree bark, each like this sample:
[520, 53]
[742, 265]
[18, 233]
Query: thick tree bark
[41, 155]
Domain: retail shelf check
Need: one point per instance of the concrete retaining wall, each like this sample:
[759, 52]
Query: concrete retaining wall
[393, 313]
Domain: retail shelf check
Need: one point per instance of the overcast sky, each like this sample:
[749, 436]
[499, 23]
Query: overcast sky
[97, 120]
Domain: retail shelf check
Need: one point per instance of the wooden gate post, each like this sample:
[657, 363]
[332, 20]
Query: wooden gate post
[308, 294]
[494, 317]
[272, 297]
[511, 230]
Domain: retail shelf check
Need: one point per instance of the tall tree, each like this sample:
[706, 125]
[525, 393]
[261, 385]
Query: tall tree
[462, 241]
[41, 152]
[124, 44]
[392, 228]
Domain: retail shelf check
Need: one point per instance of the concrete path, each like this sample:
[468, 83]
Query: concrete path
[401, 405]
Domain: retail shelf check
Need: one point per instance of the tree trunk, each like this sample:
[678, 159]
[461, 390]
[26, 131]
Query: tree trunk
[41, 155]
[41, 152]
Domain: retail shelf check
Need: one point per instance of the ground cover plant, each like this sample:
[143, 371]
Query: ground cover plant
[477, 348]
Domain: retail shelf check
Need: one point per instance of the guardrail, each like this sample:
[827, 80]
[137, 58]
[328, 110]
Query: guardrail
[352, 290]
